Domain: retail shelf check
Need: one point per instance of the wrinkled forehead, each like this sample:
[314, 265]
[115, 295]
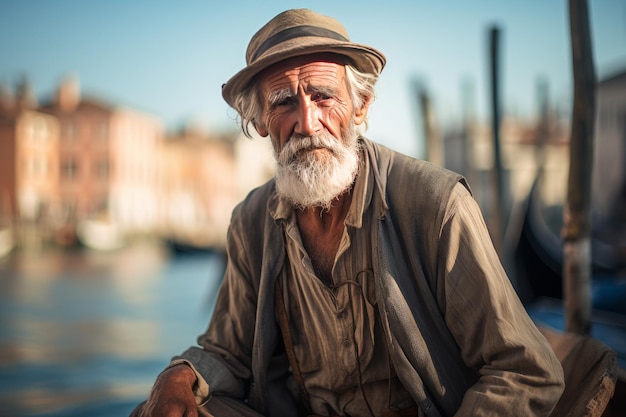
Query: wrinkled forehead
[313, 72]
[300, 61]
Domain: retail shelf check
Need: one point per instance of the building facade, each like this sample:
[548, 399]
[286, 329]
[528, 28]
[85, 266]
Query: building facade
[80, 169]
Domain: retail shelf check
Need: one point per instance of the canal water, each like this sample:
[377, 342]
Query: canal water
[85, 333]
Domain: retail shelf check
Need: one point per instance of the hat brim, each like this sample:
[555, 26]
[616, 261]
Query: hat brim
[365, 58]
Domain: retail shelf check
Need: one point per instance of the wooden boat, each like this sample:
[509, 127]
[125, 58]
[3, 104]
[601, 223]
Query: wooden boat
[538, 260]
[537, 266]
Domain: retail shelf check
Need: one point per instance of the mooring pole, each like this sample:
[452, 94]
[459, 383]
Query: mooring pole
[576, 231]
[434, 147]
[498, 172]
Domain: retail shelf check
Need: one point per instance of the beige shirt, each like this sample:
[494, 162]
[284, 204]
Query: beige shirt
[336, 329]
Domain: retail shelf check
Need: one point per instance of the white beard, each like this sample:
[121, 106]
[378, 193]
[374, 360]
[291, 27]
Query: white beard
[314, 170]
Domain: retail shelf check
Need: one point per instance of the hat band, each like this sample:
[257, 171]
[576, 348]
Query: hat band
[296, 32]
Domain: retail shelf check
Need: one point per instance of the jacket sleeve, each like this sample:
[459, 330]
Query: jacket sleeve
[222, 360]
[519, 374]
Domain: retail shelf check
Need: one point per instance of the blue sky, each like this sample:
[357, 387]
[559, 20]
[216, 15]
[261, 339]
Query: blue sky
[170, 58]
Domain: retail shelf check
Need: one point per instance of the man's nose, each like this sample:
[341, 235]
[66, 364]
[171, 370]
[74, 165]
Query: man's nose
[308, 121]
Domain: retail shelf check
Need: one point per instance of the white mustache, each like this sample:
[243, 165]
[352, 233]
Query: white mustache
[299, 143]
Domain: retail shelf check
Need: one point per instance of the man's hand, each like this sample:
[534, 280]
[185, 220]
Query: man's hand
[172, 394]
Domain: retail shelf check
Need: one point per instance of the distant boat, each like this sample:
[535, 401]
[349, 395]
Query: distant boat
[7, 241]
[201, 237]
[100, 234]
[185, 247]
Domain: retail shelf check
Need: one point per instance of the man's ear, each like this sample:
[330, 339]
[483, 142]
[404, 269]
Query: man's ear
[260, 128]
[360, 114]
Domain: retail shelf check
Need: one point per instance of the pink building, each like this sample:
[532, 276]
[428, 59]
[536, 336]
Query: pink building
[29, 172]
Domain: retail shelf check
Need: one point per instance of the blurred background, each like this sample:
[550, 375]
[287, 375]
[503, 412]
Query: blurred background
[120, 164]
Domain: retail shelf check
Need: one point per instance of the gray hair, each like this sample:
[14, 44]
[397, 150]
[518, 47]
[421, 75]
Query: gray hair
[249, 103]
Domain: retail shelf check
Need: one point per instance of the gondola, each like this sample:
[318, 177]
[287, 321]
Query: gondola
[538, 261]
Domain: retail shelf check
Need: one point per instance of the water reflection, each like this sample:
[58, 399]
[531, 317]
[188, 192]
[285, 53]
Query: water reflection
[85, 333]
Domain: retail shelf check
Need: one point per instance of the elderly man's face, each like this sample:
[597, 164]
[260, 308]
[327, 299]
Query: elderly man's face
[304, 96]
[310, 117]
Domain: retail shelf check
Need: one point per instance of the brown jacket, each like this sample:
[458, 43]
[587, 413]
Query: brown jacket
[459, 337]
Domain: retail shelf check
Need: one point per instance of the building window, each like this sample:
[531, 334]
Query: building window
[69, 169]
[36, 166]
[40, 130]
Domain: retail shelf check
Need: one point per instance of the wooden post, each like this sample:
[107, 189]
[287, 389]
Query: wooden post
[434, 148]
[467, 146]
[576, 214]
[543, 126]
[498, 207]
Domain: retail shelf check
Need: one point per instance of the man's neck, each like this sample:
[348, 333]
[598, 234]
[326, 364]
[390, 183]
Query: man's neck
[321, 231]
[326, 218]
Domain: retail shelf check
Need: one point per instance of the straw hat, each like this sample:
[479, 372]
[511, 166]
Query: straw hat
[299, 32]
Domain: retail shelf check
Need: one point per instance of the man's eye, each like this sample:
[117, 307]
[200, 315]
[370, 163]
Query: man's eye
[320, 97]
